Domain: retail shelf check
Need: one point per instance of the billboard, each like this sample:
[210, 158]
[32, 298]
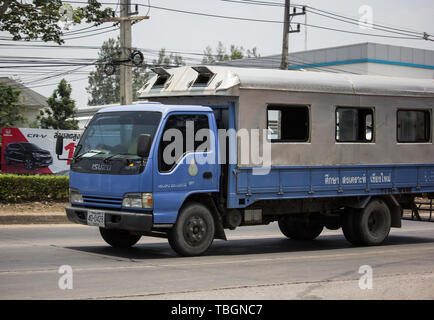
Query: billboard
[27, 150]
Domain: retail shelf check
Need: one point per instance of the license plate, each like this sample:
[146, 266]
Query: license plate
[96, 218]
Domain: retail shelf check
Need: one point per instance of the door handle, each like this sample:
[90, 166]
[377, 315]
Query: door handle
[207, 175]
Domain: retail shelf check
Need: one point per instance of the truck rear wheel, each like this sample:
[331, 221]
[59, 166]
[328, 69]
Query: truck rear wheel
[349, 226]
[369, 226]
[307, 229]
[119, 238]
[194, 231]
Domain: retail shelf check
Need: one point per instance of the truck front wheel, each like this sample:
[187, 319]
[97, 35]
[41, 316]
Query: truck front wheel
[119, 238]
[304, 229]
[194, 231]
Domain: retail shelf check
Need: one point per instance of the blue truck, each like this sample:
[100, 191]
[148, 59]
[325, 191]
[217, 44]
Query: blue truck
[215, 148]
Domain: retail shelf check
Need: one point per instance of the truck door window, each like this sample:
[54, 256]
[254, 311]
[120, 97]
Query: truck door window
[176, 140]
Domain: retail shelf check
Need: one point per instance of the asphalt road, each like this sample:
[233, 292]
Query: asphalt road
[257, 263]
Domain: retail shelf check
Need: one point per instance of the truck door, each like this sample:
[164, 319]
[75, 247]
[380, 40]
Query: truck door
[185, 162]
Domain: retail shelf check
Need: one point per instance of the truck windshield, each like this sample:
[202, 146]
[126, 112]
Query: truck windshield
[113, 135]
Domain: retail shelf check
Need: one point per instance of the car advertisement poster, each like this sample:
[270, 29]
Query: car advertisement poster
[33, 151]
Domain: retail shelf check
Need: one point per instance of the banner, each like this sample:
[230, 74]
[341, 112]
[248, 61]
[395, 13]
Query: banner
[27, 150]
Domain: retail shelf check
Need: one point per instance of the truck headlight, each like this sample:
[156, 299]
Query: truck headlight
[137, 200]
[75, 196]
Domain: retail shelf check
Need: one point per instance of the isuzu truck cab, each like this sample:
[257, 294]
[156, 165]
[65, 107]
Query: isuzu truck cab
[335, 151]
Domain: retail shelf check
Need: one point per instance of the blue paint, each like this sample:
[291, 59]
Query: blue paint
[171, 189]
[343, 62]
[330, 181]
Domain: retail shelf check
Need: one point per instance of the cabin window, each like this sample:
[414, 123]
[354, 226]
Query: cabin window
[288, 123]
[182, 134]
[413, 126]
[354, 124]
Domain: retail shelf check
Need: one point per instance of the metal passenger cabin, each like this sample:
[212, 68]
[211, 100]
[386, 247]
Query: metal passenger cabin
[331, 135]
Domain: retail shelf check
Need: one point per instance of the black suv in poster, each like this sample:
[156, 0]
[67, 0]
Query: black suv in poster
[29, 154]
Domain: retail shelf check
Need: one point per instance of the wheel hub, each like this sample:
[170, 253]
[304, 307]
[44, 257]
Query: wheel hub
[375, 223]
[195, 230]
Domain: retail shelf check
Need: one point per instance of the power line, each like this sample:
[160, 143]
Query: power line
[356, 20]
[279, 22]
[55, 84]
[376, 27]
[408, 37]
[257, 3]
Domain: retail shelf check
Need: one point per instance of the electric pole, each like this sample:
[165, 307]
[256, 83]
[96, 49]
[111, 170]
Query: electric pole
[284, 63]
[127, 55]
[287, 29]
[126, 73]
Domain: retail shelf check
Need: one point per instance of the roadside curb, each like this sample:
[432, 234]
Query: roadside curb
[33, 219]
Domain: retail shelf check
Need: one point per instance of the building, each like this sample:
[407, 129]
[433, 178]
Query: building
[363, 58]
[32, 101]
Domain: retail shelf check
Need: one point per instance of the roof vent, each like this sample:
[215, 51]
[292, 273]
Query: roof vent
[162, 78]
[204, 78]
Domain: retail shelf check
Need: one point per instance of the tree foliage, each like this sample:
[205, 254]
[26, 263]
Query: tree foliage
[164, 60]
[221, 54]
[104, 89]
[61, 110]
[40, 18]
[10, 106]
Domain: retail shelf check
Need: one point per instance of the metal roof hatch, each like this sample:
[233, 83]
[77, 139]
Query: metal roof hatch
[204, 77]
[163, 77]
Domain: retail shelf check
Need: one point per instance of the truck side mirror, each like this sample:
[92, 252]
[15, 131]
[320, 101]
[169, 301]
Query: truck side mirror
[144, 145]
[59, 145]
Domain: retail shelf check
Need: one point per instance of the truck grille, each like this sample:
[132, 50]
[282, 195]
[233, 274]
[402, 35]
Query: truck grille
[102, 200]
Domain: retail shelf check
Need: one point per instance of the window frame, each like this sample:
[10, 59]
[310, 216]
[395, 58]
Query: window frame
[426, 111]
[160, 137]
[279, 107]
[373, 136]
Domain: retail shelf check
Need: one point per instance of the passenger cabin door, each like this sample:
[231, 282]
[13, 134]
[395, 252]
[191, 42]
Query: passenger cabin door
[185, 162]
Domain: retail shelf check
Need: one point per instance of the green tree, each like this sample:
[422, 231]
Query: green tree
[10, 107]
[40, 18]
[61, 109]
[221, 54]
[105, 89]
[164, 60]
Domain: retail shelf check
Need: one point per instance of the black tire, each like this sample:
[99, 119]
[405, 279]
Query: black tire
[373, 223]
[194, 230]
[349, 226]
[369, 226]
[307, 229]
[28, 164]
[119, 238]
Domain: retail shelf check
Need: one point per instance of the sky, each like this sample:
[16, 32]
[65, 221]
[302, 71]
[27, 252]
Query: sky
[191, 34]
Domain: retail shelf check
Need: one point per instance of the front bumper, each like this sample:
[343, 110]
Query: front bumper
[114, 219]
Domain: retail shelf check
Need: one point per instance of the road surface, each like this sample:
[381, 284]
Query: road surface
[256, 263]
